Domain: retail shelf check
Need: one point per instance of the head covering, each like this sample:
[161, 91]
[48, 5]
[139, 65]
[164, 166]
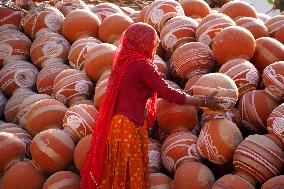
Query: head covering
[138, 42]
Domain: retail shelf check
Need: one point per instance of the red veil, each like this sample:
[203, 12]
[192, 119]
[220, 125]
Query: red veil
[137, 43]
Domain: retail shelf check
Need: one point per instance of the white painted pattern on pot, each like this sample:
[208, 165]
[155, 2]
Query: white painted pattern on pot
[275, 122]
[53, 21]
[154, 158]
[6, 51]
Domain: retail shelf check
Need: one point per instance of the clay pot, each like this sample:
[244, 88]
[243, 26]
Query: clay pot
[162, 10]
[218, 140]
[195, 8]
[267, 51]
[66, 6]
[273, 24]
[258, 158]
[12, 150]
[275, 122]
[49, 47]
[108, 33]
[25, 175]
[81, 151]
[45, 114]
[263, 17]
[99, 59]
[26, 105]
[279, 35]
[79, 120]
[13, 104]
[47, 76]
[154, 153]
[255, 107]
[191, 81]
[42, 19]
[211, 25]
[255, 26]
[63, 180]
[80, 23]
[232, 43]
[192, 59]
[17, 74]
[161, 65]
[274, 183]
[232, 182]
[142, 13]
[52, 150]
[193, 175]
[238, 9]
[3, 101]
[71, 86]
[79, 49]
[101, 88]
[159, 181]
[10, 18]
[103, 10]
[179, 148]
[244, 74]
[14, 45]
[178, 31]
[272, 78]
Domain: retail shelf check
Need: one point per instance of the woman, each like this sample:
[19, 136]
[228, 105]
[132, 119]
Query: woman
[118, 156]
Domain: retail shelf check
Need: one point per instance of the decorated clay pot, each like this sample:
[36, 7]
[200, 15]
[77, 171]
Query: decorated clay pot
[232, 43]
[179, 148]
[99, 59]
[238, 9]
[192, 59]
[193, 175]
[191, 81]
[258, 158]
[161, 65]
[49, 47]
[103, 10]
[279, 35]
[79, 49]
[81, 151]
[178, 31]
[101, 87]
[10, 18]
[154, 153]
[218, 140]
[195, 8]
[66, 6]
[64, 180]
[42, 19]
[274, 183]
[273, 24]
[80, 23]
[275, 122]
[45, 114]
[244, 74]
[159, 181]
[52, 150]
[267, 51]
[255, 107]
[232, 182]
[22, 175]
[255, 26]
[108, 33]
[17, 74]
[47, 76]
[142, 13]
[79, 120]
[71, 86]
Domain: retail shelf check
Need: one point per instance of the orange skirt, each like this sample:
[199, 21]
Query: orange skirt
[127, 163]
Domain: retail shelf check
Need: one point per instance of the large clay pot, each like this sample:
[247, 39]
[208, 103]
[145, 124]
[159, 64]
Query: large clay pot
[79, 120]
[232, 182]
[233, 42]
[244, 74]
[80, 23]
[195, 8]
[255, 26]
[159, 181]
[81, 151]
[274, 183]
[154, 153]
[103, 10]
[218, 140]
[52, 150]
[258, 158]
[63, 180]
[178, 148]
[273, 24]
[42, 19]
[66, 6]
[275, 122]
[10, 18]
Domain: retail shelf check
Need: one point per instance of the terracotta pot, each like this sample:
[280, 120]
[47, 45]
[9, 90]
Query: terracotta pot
[274, 183]
[191, 81]
[81, 151]
[244, 74]
[49, 47]
[42, 19]
[66, 6]
[11, 19]
[79, 120]
[255, 108]
[178, 148]
[273, 24]
[275, 122]
[267, 51]
[103, 10]
[142, 13]
[193, 175]
[161, 65]
[25, 175]
[263, 17]
[254, 25]
[101, 88]
[159, 181]
[52, 150]
[47, 76]
[195, 9]
[79, 49]
[192, 59]
[279, 35]
[63, 180]
[80, 23]
[218, 140]
[232, 182]
[233, 42]
[71, 86]
[238, 9]
[258, 158]
[113, 26]
[178, 31]
[154, 153]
